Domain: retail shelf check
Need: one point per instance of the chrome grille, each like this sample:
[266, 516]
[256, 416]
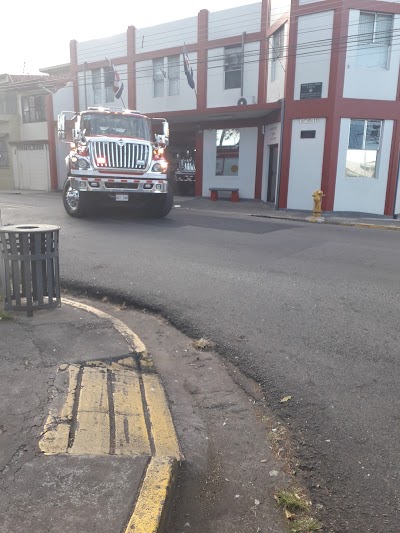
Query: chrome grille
[130, 155]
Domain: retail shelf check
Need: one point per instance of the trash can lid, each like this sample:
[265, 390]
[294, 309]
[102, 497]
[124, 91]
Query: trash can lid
[28, 228]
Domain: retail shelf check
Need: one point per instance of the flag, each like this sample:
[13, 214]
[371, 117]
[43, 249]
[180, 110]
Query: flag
[118, 85]
[188, 69]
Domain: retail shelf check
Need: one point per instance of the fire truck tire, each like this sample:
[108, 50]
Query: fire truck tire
[163, 207]
[75, 202]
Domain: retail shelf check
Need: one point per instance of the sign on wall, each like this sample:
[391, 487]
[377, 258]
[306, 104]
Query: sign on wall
[310, 90]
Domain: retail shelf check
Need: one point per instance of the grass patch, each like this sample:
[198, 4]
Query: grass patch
[203, 344]
[305, 525]
[292, 501]
[5, 316]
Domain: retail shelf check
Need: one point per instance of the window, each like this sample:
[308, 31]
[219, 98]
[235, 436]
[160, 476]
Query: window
[158, 77]
[3, 155]
[96, 84]
[109, 83]
[375, 32]
[173, 75]
[33, 108]
[276, 55]
[8, 104]
[233, 67]
[363, 148]
[227, 163]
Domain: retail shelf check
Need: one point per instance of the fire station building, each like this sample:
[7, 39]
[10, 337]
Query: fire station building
[290, 97]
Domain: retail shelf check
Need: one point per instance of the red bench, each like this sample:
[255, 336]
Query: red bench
[234, 193]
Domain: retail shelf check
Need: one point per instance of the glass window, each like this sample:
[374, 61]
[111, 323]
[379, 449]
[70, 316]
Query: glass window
[363, 148]
[233, 67]
[33, 108]
[276, 44]
[96, 84]
[227, 163]
[173, 75]
[4, 163]
[375, 31]
[158, 77]
[109, 83]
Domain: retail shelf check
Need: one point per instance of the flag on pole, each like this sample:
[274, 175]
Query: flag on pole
[188, 69]
[118, 85]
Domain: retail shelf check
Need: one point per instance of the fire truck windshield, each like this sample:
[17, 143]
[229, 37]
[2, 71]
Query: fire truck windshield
[115, 124]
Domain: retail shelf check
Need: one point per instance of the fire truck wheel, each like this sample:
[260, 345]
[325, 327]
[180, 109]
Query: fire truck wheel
[75, 202]
[163, 207]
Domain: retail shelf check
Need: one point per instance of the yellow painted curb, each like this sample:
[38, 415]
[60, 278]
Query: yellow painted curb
[151, 507]
[155, 494]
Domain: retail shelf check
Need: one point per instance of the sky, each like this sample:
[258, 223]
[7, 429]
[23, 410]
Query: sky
[36, 35]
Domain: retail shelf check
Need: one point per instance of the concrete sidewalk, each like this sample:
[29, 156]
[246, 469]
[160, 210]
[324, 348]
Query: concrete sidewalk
[87, 439]
[257, 208]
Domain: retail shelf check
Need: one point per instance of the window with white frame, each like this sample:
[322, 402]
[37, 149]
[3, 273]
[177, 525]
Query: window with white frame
[363, 148]
[4, 162]
[233, 67]
[173, 75]
[96, 86]
[276, 51]
[159, 76]
[375, 31]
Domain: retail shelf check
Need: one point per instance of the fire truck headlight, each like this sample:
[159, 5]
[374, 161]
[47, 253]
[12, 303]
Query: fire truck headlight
[157, 167]
[83, 164]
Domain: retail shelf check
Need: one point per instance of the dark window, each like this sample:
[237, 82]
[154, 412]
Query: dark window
[33, 108]
[233, 67]
[3, 155]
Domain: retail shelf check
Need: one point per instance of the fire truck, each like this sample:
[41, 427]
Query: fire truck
[116, 157]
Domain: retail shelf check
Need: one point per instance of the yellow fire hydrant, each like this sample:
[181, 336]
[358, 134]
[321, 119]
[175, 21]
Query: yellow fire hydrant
[317, 197]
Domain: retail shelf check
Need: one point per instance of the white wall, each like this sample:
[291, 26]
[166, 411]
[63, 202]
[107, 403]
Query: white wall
[145, 100]
[272, 135]
[122, 71]
[312, 62]
[35, 131]
[99, 49]
[166, 35]
[63, 100]
[370, 83]
[246, 178]
[306, 157]
[279, 8]
[276, 88]
[217, 96]
[304, 2]
[235, 21]
[363, 195]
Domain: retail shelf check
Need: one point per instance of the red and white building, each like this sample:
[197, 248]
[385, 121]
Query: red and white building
[291, 97]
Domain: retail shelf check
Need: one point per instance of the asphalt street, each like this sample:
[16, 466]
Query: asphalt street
[310, 311]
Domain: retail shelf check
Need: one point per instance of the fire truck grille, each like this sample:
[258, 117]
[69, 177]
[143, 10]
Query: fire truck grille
[130, 155]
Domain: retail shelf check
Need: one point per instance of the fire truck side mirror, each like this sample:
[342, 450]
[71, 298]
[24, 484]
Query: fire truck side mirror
[61, 127]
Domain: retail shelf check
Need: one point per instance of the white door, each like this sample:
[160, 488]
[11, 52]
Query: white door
[33, 167]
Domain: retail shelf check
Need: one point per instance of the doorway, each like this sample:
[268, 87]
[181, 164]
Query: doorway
[272, 173]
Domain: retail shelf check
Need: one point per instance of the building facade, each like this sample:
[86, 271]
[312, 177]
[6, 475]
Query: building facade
[28, 148]
[290, 96]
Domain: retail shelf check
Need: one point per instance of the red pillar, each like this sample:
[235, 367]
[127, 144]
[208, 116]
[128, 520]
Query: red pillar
[51, 135]
[73, 50]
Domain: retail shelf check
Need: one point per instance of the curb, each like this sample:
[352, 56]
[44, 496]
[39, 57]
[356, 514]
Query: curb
[155, 497]
[331, 222]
